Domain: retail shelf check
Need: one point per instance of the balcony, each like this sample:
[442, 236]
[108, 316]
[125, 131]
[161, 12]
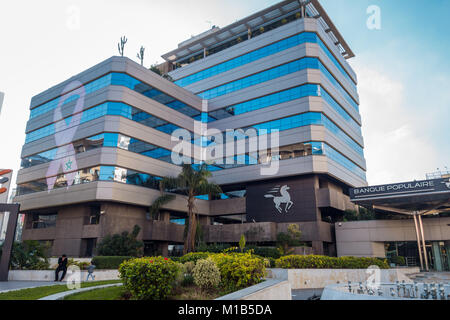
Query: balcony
[334, 199]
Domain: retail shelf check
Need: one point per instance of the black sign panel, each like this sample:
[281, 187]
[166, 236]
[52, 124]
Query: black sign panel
[401, 189]
[290, 200]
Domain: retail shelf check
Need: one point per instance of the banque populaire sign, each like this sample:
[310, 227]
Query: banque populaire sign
[406, 188]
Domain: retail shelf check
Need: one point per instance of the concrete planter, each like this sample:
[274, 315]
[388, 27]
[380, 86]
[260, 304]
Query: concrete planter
[320, 278]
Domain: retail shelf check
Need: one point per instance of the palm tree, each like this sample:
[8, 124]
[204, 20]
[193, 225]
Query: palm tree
[192, 183]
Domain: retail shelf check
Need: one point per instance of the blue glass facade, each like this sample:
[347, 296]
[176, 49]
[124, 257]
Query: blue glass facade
[121, 79]
[306, 37]
[112, 109]
[116, 174]
[88, 175]
[277, 72]
[295, 151]
[308, 90]
[307, 119]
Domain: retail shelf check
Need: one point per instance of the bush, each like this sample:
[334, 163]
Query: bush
[239, 270]
[29, 255]
[109, 263]
[124, 244]
[213, 248]
[189, 267]
[323, 262]
[266, 252]
[397, 260]
[149, 278]
[193, 257]
[80, 264]
[188, 280]
[206, 274]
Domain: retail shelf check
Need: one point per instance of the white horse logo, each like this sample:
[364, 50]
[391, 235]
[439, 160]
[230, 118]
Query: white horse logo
[447, 183]
[285, 198]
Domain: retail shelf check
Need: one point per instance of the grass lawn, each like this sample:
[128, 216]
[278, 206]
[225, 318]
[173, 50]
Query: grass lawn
[112, 293]
[41, 292]
[120, 293]
[194, 293]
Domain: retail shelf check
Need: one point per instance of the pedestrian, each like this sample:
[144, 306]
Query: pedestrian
[91, 271]
[62, 266]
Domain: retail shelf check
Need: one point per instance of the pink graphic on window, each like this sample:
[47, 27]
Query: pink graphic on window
[64, 134]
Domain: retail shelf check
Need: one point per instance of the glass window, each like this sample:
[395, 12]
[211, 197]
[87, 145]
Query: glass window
[121, 79]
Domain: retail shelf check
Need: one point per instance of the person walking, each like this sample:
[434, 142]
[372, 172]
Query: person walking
[62, 266]
[91, 272]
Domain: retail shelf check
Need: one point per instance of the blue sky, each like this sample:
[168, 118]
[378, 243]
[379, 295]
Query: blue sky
[403, 69]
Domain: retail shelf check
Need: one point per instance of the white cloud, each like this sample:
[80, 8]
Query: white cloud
[395, 149]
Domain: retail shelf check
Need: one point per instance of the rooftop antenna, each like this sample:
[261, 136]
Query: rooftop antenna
[140, 55]
[121, 45]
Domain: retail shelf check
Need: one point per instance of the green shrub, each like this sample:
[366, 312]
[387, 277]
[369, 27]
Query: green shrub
[189, 267]
[266, 252]
[213, 248]
[80, 264]
[29, 255]
[323, 262]
[239, 270]
[194, 257]
[206, 274]
[187, 281]
[149, 278]
[110, 263]
[397, 260]
[124, 244]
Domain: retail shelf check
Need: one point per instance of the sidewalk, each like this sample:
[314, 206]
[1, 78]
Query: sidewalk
[16, 285]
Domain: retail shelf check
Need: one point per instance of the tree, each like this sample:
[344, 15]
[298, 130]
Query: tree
[155, 69]
[191, 183]
[124, 244]
[242, 243]
[29, 255]
[363, 215]
[286, 240]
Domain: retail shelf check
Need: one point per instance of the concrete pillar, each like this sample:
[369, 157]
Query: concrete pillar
[317, 247]
[438, 266]
[165, 216]
[447, 250]
[204, 220]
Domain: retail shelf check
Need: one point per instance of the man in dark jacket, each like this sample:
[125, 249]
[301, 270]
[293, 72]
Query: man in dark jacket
[62, 266]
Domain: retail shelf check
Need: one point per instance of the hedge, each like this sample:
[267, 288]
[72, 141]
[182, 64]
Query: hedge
[149, 278]
[109, 263]
[323, 262]
[239, 270]
[193, 257]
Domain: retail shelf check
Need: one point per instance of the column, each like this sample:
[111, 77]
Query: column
[447, 250]
[438, 266]
[318, 247]
[419, 246]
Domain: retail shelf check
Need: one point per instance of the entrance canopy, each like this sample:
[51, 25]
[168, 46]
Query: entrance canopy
[418, 197]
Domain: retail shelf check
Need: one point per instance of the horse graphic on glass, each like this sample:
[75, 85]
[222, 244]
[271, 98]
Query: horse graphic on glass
[285, 198]
[447, 183]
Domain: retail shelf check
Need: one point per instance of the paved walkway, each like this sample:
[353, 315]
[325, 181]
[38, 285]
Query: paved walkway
[62, 295]
[17, 285]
